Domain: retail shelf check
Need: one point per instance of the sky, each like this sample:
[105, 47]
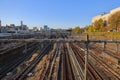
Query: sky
[54, 13]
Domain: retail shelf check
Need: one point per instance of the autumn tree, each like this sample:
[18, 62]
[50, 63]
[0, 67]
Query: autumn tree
[76, 30]
[114, 21]
[90, 28]
[98, 25]
[85, 29]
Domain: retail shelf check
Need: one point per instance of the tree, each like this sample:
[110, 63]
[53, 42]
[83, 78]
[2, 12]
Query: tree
[114, 21]
[98, 25]
[76, 30]
[90, 28]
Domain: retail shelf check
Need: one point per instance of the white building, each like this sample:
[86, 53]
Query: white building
[13, 29]
[105, 16]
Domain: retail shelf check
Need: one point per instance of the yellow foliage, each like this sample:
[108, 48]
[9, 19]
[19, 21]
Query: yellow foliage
[76, 30]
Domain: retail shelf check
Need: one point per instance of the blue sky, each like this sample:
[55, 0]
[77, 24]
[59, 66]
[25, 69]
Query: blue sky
[54, 13]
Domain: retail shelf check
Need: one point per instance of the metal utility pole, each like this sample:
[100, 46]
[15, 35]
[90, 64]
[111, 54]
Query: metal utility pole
[86, 57]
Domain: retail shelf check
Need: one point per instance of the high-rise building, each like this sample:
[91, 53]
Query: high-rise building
[35, 29]
[22, 25]
[0, 23]
[0, 26]
[46, 27]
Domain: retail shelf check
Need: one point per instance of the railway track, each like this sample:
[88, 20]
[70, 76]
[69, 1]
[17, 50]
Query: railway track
[92, 74]
[8, 46]
[109, 51]
[65, 62]
[48, 68]
[76, 68]
[13, 55]
[51, 66]
[67, 69]
[109, 73]
[23, 74]
[10, 66]
[92, 70]
[56, 65]
[107, 68]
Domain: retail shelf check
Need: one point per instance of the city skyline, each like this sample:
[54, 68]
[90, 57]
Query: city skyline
[55, 14]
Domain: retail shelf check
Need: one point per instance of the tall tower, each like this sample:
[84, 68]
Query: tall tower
[0, 23]
[22, 25]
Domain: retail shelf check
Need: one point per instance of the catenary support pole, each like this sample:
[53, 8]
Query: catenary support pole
[104, 46]
[86, 57]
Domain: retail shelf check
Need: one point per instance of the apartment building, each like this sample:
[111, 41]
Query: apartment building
[105, 16]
